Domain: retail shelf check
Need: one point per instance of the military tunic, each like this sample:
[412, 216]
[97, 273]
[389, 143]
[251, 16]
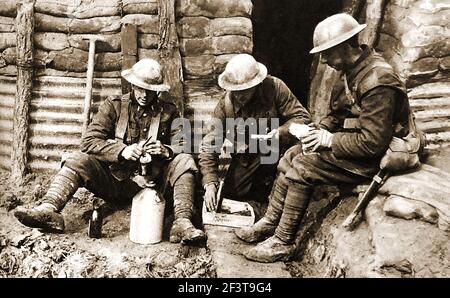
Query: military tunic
[99, 162]
[272, 99]
[380, 106]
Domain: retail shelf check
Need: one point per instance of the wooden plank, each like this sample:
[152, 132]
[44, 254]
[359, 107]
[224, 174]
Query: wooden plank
[25, 30]
[129, 51]
[170, 52]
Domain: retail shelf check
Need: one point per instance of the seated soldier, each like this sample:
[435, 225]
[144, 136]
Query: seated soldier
[375, 100]
[124, 130]
[251, 96]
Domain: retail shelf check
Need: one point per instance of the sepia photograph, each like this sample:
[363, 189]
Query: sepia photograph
[240, 141]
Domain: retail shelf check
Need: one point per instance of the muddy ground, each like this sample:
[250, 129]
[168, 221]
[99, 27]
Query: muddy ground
[27, 252]
[330, 251]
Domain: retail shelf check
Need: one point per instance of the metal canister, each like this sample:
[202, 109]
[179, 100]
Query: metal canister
[147, 217]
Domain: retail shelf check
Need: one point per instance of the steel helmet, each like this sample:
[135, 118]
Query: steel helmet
[146, 74]
[242, 72]
[335, 30]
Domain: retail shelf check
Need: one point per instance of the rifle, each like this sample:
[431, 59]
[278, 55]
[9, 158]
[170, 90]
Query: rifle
[355, 218]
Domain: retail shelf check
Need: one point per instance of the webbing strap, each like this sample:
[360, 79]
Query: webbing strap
[229, 109]
[154, 126]
[122, 123]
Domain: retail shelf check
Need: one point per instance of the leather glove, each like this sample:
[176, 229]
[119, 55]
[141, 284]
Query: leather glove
[317, 139]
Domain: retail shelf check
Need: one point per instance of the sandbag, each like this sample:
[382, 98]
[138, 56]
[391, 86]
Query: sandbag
[140, 6]
[111, 43]
[426, 184]
[8, 8]
[7, 40]
[144, 23]
[7, 24]
[78, 9]
[410, 209]
[48, 23]
[9, 56]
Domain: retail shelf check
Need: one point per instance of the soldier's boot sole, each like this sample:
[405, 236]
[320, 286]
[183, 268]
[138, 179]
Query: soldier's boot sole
[48, 221]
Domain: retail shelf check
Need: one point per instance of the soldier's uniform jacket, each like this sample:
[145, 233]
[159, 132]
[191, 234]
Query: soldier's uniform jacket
[100, 139]
[272, 99]
[364, 119]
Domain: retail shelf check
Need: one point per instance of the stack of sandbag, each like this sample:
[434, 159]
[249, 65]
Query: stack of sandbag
[8, 38]
[59, 46]
[143, 14]
[415, 36]
[210, 33]
[420, 194]
[415, 39]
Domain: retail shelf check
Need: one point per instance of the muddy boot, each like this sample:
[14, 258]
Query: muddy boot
[184, 231]
[271, 250]
[47, 216]
[42, 217]
[183, 199]
[281, 246]
[265, 227]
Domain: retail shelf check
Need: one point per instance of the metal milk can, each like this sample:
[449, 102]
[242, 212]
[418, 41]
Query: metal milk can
[147, 217]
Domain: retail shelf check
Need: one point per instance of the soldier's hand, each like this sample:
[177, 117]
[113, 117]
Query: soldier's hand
[211, 197]
[132, 152]
[317, 139]
[274, 134]
[155, 147]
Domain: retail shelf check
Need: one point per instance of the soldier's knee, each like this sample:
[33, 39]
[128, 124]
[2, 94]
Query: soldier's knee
[286, 160]
[184, 158]
[302, 169]
[79, 159]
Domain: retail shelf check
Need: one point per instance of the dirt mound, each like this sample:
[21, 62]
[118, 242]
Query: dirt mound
[33, 190]
[27, 252]
[382, 246]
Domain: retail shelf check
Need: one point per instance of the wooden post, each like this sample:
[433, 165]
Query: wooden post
[169, 51]
[25, 29]
[374, 21]
[324, 78]
[129, 51]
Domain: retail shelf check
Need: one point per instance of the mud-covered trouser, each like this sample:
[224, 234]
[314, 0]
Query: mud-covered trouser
[276, 199]
[305, 172]
[183, 196]
[279, 190]
[96, 176]
[248, 179]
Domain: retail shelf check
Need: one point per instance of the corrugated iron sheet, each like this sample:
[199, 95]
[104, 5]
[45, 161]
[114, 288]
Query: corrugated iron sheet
[431, 106]
[57, 104]
[7, 95]
[56, 116]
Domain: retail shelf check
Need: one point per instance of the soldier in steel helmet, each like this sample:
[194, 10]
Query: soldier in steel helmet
[122, 132]
[370, 108]
[251, 95]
